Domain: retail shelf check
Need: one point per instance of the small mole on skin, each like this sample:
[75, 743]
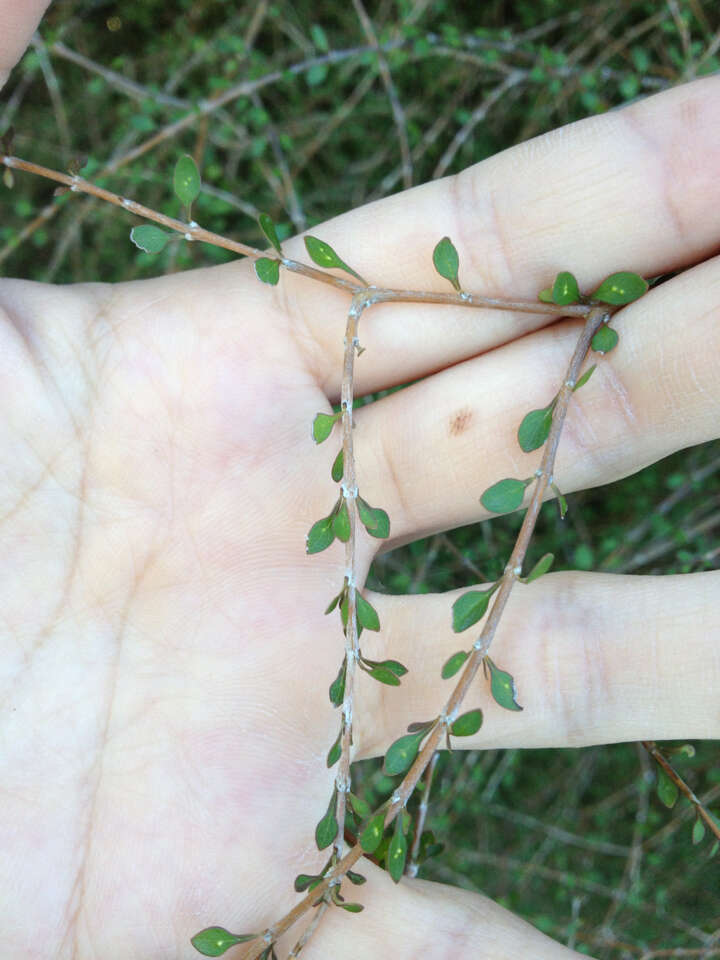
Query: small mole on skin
[460, 421]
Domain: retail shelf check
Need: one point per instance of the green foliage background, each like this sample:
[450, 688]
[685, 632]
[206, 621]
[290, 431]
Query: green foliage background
[574, 840]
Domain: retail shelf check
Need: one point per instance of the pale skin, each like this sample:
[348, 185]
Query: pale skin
[165, 658]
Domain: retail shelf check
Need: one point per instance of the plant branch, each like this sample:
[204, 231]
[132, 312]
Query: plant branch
[352, 647]
[597, 315]
[657, 755]
[412, 865]
[370, 294]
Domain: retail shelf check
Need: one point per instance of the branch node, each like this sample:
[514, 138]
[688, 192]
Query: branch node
[349, 492]
[481, 644]
[342, 783]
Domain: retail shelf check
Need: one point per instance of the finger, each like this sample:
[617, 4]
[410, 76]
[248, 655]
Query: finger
[427, 453]
[427, 920]
[635, 189]
[17, 22]
[597, 658]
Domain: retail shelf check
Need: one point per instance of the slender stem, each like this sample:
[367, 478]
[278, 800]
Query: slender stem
[352, 647]
[657, 755]
[370, 294]
[597, 315]
[311, 928]
[412, 866]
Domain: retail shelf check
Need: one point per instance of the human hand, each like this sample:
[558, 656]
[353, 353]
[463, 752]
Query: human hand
[158, 482]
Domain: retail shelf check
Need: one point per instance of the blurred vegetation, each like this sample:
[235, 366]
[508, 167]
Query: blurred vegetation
[576, 841]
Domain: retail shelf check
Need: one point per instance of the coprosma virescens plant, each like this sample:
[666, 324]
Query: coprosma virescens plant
[389, 833]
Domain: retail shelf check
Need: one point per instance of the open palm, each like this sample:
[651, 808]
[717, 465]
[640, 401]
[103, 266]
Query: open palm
[165, 657]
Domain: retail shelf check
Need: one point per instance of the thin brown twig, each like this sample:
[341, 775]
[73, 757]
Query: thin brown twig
[309, 931]
[703, 814]
[349, 494]
[412, 865]
[391, 90]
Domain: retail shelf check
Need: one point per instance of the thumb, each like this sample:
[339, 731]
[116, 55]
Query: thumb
[17, 23]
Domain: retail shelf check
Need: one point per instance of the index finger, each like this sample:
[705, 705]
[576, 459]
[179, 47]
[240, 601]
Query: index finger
[633, 189]
[17, 22]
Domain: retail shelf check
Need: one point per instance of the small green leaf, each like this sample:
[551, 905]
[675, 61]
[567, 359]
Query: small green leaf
[334, 752]
[667, 789]
[375, 520]
[267, 226]
[360, 806]
[502, 687]
[319, 37]
[327, 828]
[546, 295]
[305, 880]
[214, 941]
[447, 262]
[397, 668]
[698, 832]
[337, 468]
[356, 878]
[453, 664]
[383, 675]
[267, 270]
[605, 339]
[429, 846]
[421, 725]
[505, 495]
[373, 833]
[334, 602]
[402, 752]
[540, 568]
[397, 853]
[316, 74]
[467, 724]
[186, 180]
[565, 289]
[535, 428]
[149, 238]
[584, 378]
[351, 907]
[341, 522]
[468, 609]
[323, 255]
[562, 502]
[366, 613]
[621, 288]
[321, 535]
[337, 687]
[323, 423]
